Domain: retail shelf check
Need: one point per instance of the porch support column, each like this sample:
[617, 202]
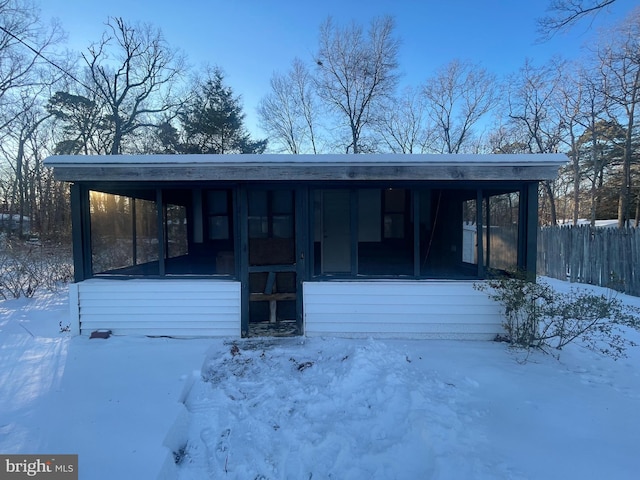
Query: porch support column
[80, 233]
[303, 247]
[416, 231]
[162, 237]
[242, 247]
[479, 238]
[353, 228]
[531, 237]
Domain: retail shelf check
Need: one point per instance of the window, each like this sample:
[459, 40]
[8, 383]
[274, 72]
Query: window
[395, 211]
[385, 232]
[112, 232]
[176, 231]
[271, 214]
[441, 237]
[500, 225]
[334, 235]
[502, 241]
[146, 232]
[218, 215]
[423, 232]
[378, 221]
[196, 237]
[271, 227]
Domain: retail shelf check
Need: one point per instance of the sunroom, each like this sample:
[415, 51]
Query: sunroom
[349, 245]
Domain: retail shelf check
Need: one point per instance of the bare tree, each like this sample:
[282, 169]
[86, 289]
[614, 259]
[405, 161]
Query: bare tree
[20, 149]
[134, 72]
[620, 67]
[24, 41]
[530, 99]
[565, 13]
[355, 71]
[570, 109]
[458, 96]
[403, 125]
[289, 112]
[592, 119]
[26, 55]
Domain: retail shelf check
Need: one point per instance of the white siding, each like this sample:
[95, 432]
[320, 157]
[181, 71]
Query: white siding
[182, 307]
[400, 309]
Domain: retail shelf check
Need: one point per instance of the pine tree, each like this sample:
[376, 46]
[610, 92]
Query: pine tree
[213, 122]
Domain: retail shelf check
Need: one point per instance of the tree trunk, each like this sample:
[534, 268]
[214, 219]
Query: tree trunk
[625, 188]
[552, 201]
[576, 187]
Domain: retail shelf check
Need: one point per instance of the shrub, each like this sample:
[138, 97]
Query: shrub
[24, 268]
[537, 316]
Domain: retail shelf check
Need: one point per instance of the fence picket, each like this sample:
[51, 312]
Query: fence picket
[608, 257]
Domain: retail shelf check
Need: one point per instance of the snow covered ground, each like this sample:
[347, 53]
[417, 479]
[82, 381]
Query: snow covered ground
[316, 408]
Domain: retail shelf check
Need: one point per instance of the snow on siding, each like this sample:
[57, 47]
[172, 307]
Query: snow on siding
[400, 309]
[182, 308]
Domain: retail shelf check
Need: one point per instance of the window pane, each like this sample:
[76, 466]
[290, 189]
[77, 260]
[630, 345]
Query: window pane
[111, 231]
[385, 246]
[283, 226]
[447, 240]
[336, 231]
[469, 232]
[146, 232]
[217, 202]
[369, 214]
[394, 200]
[503, 231]
[282, 201]
[258, 203]
[271, 228]
[177, 242]
[394, 225]
[218, 227]
[219, 215]
[216, 255]
[258, 227]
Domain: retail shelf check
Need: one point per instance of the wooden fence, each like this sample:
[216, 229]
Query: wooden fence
[608, 257]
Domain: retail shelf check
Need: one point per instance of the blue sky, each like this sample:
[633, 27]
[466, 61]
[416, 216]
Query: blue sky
[250, 39]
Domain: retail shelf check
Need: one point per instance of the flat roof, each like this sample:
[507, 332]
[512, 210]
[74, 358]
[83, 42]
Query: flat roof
[306, 167]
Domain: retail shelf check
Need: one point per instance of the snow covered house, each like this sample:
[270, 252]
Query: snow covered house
[345, 245]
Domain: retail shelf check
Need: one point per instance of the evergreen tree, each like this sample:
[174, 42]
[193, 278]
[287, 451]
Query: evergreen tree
[213, 122]
[81, 122]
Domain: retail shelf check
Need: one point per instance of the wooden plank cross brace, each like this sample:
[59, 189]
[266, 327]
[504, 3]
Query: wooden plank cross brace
[272, 296]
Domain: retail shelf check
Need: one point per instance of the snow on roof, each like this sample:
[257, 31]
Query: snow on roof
[308, 159]
[325, 167]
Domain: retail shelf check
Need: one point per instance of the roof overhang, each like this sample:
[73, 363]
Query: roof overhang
[282, 167]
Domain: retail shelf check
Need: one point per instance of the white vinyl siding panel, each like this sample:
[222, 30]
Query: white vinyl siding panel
[403, 309]
[181, 308]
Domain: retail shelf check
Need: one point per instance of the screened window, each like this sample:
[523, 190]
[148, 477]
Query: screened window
[502, 244]
[500, 226]
[146, 232]
[112, 232]
[424, 232]
[218, 215]
[195, 238]
[176, 222]
[385, 232]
